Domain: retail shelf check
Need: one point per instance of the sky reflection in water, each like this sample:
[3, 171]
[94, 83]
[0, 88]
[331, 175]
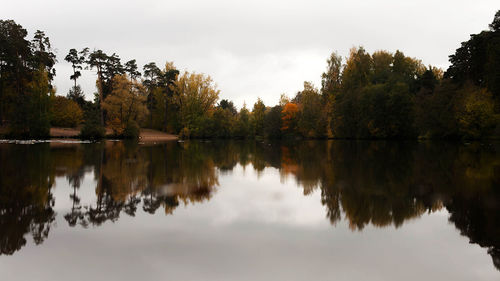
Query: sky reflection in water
[317, 210]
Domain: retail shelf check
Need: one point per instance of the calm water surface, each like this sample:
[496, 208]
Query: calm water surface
[319, 210]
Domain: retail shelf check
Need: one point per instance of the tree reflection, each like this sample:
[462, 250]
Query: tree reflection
[26, 200]
[157, 176]
[387, 183]
[377, 183]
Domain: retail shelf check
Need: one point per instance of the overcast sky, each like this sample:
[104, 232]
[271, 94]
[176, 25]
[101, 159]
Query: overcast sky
[250, 48]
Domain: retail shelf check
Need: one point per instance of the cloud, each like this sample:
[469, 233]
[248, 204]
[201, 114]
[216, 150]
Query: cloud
[251, 48]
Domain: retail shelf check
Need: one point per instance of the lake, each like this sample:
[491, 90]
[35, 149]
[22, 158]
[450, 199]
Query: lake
[238, 210]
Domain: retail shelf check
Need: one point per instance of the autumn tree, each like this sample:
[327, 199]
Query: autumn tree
[196, 95]
[107, 67]
[284, 99]
[476, 113]
[65, 112]
[125, 106]
[289, 117]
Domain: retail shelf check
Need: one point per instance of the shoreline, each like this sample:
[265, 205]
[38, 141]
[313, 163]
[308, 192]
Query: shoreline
[146, 135]
[151, 135]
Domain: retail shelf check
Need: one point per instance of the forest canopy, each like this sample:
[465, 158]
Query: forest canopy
[379, 95]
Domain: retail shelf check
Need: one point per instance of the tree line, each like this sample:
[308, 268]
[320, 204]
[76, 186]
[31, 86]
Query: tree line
[378, 95]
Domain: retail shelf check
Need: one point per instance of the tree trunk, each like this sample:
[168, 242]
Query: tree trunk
[166, 112]
[100, 96]
[1, 104]
[150, 116]
[74, 75]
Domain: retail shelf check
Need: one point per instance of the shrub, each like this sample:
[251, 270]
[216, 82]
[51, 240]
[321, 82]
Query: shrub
[185, 133]
[131, 130]
[92, 128]
[65, 112]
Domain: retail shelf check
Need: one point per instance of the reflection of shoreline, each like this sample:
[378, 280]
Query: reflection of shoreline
[388, 183]
[379, 183]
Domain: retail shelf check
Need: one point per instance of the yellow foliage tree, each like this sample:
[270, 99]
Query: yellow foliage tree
[65, 112]
[125, 106]
[195, 94]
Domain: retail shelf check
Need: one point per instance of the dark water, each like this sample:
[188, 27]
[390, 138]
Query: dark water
[319, 210]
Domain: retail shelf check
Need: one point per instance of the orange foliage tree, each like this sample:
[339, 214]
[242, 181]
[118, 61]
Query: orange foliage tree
[289, 117]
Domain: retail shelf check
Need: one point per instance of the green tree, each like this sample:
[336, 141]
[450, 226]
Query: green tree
[243, 128]
[272, 122]
[131, 69]
[76, 94]
[98, 60]
[386, 111]
[43, 57]
[92, 127]
[107, 67]
[151, 77]
[377, 95]
[478, 60]
[76, 59]
[39, 116]
[226, 104]
[224, 122]
[15, 52]
[331, 79]
[258, 113]
[26, 72]
[311, 120]
[160, 85]
[357, 70]
[435, 111]
[345, 105]
[382, 67]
